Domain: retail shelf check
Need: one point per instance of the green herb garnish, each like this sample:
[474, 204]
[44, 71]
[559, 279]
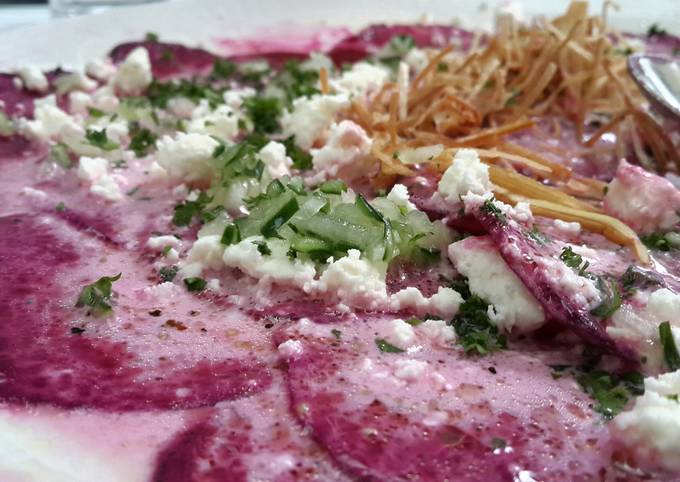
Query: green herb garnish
[386, 346]
[301, 160]
[476, 333]
[336, 333]
[264, 112]
[656, 241]
[195, 285]
[167, 273]
[670, 349]
[97, 296]
[611, 392]
[95, 113]
[655, 30]
[100, 139]
[262, 247]
[151, 37]
[223, 69]
[611, 298]
[141, 139]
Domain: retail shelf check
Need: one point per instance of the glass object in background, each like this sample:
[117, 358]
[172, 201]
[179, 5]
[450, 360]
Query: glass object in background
[69, 8]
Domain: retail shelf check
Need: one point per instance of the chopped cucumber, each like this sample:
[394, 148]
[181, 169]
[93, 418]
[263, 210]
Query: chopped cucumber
[268, 215]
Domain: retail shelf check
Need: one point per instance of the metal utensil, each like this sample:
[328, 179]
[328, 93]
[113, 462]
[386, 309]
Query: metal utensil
[659, 78]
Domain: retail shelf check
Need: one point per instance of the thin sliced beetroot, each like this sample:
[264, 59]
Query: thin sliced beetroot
[444, 422]
[370, 40]
[251, 439]
[169, 59]
[43, 361]
[523, 253]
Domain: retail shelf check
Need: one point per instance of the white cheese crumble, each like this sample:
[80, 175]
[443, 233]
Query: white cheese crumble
[311, 117]
[34, 193]
[221, 122]
[437, 331]
[410, 369]
[290, 349]
[347, 146]
[567, 227]
[443, 303]
[100, 69]
[33, 78]
[651, 427]
[134, 74]
[361, 79]
[401, 333]
[95, 171]
[161, 242]
[354, 281]
[208, 251]
[512, 306]
[276, 267]
[50, 122]
[466, 174]
[399, 196]
[633, 197]
[92, 168]
[186, 157]
[74, 81]
[582, 290]
[276, 162]
[640, 325]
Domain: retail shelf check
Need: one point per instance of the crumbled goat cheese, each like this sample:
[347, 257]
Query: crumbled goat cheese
[92, 168]
[354, 281]
[347, 146]
[207, 250]
[161, 242]
[34, 193]
[74, 81]
[582, 290]
[276, 162]
[513, 307]
[410, 369]
[650, 429]
[466, 174]
[95, 171]
[107, 187]
[361, 80]
[186, 157]
[181, 107]
[79, 101]
[399, 196]
[311, 117]
[221, 122]
[417, 59]
[234, 97]
[134, 74]
[444, 303]
[50, 122]
[568, 228]
[290, 349]
[437, 330]
[33, 78]
[401, 333]
[276, 267]
[100, 69]
[633, 197]
[639, 326]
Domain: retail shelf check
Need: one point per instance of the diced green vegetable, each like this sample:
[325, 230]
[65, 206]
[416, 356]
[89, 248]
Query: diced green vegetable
[268, 215]
[386, 347]
[97, 296]
[670, 349]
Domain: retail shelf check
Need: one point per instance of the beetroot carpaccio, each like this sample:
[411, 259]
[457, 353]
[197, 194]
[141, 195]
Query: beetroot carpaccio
[409, 253]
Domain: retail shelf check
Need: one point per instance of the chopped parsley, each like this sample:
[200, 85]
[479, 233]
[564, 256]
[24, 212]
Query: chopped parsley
[231, 234]
[336, 333]
[611, 298]
[141, 139]
[656, 241]
[151, 37]
[60, 208]
[395, 50]
[489, 207]
[59, 153]
[160, 93]
[301, 160]
[655, 30]
[264, 112]
[498, 443]
[240, 159]
[611, 391]
[167, 273]
[262, 247]
[474, 329]
[296, 81]
[386, 347]
[185, 211]
[638, 278]
[670, 349]
[100, 139]
[195, 284]
[570, 258]
[95, 113]
[223, 69]
[97, 295]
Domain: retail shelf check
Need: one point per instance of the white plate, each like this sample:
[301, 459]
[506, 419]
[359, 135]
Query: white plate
[69, 42]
